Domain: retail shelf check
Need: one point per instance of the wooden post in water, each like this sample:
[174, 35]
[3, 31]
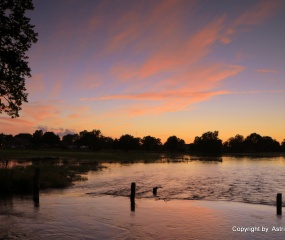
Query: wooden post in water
[133, 206]
[133, 191]
[36, 183]
[279, 203]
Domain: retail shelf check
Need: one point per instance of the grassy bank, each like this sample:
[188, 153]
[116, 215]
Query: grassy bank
[53, 174]
[58, 168]
[101, 156]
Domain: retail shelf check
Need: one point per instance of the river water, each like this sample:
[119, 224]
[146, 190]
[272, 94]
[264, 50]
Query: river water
[195, 200]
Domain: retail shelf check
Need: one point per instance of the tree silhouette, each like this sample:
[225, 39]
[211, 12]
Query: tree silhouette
[269, 145]
[51, 139]
[252, 143]
[16, 37]
[38, 137]
[128, 142]
[26, 138]
[115, 144]
[283, 146]
[208, 143]
[69, 139]
[174, 143]
[91, 139]
[235, 144]
[4, 138]
[150, 143]
[106, 142]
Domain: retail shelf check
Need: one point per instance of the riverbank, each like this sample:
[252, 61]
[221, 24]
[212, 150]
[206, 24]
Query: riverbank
[114, 156]
[109, 156]
[20, 177]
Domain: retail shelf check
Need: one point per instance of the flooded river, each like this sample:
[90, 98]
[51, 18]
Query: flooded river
[232, 199]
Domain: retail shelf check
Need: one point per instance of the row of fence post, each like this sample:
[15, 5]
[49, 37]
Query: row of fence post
[36, 190]
[154, 191]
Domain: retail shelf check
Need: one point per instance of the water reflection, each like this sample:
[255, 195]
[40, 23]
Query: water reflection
[240, 180]
[72, 214]
[84, 217]
[133, 205]
[36, 200]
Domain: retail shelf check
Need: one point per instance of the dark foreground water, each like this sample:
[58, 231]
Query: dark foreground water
[232, 199]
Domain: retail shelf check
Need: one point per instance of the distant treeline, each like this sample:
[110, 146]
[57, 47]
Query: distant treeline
[94, 140]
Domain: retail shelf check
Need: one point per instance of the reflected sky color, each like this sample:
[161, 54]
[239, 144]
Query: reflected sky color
[99, 208]
[157, 68]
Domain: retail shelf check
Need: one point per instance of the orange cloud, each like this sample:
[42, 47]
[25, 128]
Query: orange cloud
[161, 19]
[172, 73]
[41, 111]
[15, 125]
[175, 58]
[48, 115]
[162, 105]
[175, 93]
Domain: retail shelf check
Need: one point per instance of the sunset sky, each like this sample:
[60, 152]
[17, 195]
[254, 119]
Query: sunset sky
[160, 68]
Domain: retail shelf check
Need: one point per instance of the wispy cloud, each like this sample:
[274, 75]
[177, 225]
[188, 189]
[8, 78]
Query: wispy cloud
[15, 125]
[258, 92]
[255, 15]
[41, 111]
[266, 70]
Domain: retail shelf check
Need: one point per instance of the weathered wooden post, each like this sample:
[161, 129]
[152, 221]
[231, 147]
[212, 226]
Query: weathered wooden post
[132, 196]
[279, 203]
[36, 183]
[133, 206]
[154, 191]
[133, 191]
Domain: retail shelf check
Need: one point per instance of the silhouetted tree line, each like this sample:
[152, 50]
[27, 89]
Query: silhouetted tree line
[94, 140]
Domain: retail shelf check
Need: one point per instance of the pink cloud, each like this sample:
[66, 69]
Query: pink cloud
[179, 54]
[176, 93]
[169, 105]
[15, 125]
[40, 112]
[186, 89]
[176, 63]
[162, 18]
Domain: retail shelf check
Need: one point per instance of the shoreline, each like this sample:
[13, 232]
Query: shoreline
[106, 155]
